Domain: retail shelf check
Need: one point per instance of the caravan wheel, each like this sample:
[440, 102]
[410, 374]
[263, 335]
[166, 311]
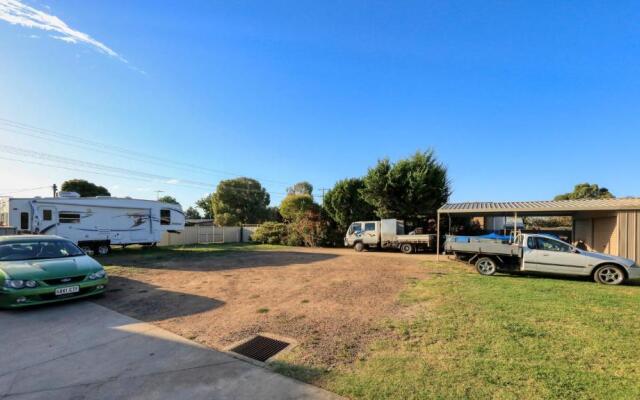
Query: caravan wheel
[88, 250]
[103, 249]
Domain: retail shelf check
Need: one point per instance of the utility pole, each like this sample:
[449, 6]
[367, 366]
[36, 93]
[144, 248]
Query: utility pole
[323, 191]
[55, 190]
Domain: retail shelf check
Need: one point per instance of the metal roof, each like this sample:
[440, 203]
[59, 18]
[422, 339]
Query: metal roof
[554, 206]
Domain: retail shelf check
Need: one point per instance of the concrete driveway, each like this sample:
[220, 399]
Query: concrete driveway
[81, 350]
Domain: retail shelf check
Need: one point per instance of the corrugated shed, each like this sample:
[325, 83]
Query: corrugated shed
[542, 206]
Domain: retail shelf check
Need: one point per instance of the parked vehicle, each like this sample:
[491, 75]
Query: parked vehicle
[40, 269]
[386, 234]
[541, 253]
[93, 223]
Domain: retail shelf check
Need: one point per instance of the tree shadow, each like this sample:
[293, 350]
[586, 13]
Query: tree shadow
[215, 261]
[149, 303]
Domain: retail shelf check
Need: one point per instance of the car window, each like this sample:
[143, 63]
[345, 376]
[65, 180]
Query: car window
[370, 226]
[552, 245]
[356, 227]
[531, 243]
[36, 250]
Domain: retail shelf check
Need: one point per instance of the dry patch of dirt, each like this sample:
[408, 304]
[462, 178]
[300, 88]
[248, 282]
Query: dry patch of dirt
[333, 302]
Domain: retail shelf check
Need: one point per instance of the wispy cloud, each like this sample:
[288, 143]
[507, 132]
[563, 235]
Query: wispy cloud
[18, 13]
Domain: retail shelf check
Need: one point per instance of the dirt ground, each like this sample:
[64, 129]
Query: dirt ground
[332, 302]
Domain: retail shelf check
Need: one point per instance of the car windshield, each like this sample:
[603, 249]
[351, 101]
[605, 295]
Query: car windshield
[38, 249]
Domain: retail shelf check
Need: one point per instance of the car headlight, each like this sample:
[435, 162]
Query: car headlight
[98, 275]
[19, 284]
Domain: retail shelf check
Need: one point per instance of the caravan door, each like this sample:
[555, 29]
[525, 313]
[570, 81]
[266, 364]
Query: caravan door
[45, 221]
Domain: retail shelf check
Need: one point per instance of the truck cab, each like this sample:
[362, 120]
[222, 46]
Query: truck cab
[362, 234]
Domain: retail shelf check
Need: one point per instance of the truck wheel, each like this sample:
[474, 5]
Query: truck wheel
[609, 275]
[486, 266]
[406, 248]
[103, 249]
[358, 247]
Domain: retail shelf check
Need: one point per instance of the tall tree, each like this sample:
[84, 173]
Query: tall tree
[237, 201]
[84, 188]
[168, 199]
[344, 204]
[303, 187]
[295, 206]
[204, 204]
[192, 213]
[586, 191]
[408, 189]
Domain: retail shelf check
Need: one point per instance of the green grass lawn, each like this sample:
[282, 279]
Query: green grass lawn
[502, 337]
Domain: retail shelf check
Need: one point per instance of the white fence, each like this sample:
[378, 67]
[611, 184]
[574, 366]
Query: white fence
[198, 234]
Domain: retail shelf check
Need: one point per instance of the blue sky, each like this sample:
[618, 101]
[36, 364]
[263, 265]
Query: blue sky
[521, 100]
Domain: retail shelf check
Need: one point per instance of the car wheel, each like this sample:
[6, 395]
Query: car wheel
[609, 275]
[486, 266]
[103, 249]
[358, 246]
[406, 248]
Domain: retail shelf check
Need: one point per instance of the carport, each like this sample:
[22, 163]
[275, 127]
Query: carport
[610, 226]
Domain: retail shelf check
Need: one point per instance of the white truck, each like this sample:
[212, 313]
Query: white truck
[540, 253]
[93, 223]
[386, 234]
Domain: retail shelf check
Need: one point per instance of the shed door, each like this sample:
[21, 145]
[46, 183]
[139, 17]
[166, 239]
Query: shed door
[605, 235]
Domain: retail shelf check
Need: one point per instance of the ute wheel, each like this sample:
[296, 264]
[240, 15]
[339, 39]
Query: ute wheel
[358, 247]
[406, 248]
[486, 266]
[609, 275]
[103, 249]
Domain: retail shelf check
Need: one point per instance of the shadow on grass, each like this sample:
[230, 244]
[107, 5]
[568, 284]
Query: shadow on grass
[302, 373]
[560, 277]
[211, 257]
[149, 303]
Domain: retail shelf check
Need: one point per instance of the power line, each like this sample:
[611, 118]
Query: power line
[23, 190]
[64, 138]
[118, 174]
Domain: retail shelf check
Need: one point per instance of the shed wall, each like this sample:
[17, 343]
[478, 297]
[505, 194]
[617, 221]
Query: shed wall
[629, 233]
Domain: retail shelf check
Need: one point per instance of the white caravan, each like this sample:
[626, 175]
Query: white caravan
[94, 223]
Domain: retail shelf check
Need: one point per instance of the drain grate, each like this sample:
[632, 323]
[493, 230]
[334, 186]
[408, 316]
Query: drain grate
[260, 348]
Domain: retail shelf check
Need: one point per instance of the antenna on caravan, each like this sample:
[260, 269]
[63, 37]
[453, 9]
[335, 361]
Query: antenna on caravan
[158, 193]
[55, 190]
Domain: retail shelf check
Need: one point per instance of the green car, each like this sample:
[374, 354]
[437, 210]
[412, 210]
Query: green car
[37, 269]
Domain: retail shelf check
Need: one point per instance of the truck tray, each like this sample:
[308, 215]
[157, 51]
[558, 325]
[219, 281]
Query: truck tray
[482, 246]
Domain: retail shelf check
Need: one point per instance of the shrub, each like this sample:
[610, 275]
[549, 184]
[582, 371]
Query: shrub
[271, 233]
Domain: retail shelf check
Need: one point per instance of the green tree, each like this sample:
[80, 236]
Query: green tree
[344, 204]
[204, 204]
[294, 206]
[84, 188]
[586, 191]
[408, 189]
[237, 201]
[168, 199]
[301, 188]
[192, 213]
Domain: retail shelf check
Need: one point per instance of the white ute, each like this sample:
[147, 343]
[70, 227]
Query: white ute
[541, 253]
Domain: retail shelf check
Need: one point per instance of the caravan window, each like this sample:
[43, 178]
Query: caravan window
[69, 218]
[165, 216]
[46, 215]
[24, 220]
